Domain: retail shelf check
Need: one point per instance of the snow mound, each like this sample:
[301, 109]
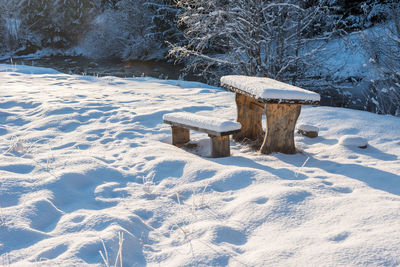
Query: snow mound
[267, 88]
[353, 141]
[27, 69]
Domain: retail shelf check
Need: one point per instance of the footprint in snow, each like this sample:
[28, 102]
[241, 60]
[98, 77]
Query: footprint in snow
[16, 238]
[51, 253]
[69, 126]
[144, 214]
[353, 157]
[128, 135]
[67, 145]
[110, 190]
[3, 131]
[260, 200]
[343, 190]
[327, 183]
[340, 237]
[226, 234]
[83, 146]
[349, 131]
[228, 199]
[78, 219]
[43, 215]
[233, 181]
[339, 189]
[167, 169]
[73, 191]
[204, 174]
[106, 140]
[18, 168]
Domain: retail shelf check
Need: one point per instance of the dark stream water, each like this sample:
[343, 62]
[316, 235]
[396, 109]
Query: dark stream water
[107, 67]
[157, 69]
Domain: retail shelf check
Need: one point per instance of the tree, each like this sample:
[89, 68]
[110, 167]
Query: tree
[29, 25]
[121, 31]
[252, 37]
[36, 21]
[164, 28]
[383, 46]
[71, 21]
[10, 25]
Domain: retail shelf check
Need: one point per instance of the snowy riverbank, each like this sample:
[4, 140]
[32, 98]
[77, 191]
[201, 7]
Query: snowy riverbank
[84, 159]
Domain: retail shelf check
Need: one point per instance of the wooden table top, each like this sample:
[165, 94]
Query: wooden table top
[266, 90]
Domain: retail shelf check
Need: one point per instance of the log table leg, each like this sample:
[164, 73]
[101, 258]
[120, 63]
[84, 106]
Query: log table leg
[281, 121]
[180, 136]
[249, 115]
[220, 146]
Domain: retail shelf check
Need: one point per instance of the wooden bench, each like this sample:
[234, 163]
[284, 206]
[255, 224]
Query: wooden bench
[218, 130]
[281, 104]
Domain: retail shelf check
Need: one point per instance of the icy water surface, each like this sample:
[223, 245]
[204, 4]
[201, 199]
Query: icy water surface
[166, 70]
[106, 67]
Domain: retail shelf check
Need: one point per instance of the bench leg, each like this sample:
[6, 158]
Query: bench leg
[281, 121]
[220, 146]
[180, 136]
[249, 115]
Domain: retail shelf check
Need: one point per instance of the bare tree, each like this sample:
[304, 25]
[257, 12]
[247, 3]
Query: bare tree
[121, 31]
[252, 37]
[383, 46]
[10, 24]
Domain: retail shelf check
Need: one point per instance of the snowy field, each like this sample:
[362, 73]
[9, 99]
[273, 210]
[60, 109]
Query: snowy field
[86, 166]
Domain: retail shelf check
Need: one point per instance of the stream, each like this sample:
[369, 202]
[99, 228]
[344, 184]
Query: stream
[157, 69]
[107, 67]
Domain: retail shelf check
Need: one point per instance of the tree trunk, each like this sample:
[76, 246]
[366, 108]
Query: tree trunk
[249, 115]
[281, 121]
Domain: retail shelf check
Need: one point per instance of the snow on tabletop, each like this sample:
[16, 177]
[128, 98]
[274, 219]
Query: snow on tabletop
[267, 88]
[85, 160]
[204, 122]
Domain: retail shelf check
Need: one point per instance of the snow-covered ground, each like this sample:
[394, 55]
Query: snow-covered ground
[87, 160]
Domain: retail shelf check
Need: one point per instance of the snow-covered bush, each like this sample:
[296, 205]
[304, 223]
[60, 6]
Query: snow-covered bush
[261, 38]
[359, 15]
[383, 46]
[163, 28]
[10, 25]
[29, 25]
[72, 21]
[105, 39]
[126, 30]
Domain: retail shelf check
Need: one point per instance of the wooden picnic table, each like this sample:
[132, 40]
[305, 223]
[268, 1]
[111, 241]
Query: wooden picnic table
[281, 104]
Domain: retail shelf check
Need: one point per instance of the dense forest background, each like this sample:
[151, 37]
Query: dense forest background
[349, 51]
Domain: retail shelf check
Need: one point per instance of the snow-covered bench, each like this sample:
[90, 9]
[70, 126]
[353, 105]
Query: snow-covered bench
[218, 130]
[281, 104]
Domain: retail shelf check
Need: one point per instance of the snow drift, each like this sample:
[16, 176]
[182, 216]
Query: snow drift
[84, 159]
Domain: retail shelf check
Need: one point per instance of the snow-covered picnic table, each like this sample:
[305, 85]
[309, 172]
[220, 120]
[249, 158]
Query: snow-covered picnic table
[281, 104]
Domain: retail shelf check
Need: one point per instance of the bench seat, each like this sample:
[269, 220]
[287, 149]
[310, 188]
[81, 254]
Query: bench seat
[217, 129]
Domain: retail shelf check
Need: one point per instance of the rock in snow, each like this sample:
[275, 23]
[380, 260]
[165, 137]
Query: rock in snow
[308, 130]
